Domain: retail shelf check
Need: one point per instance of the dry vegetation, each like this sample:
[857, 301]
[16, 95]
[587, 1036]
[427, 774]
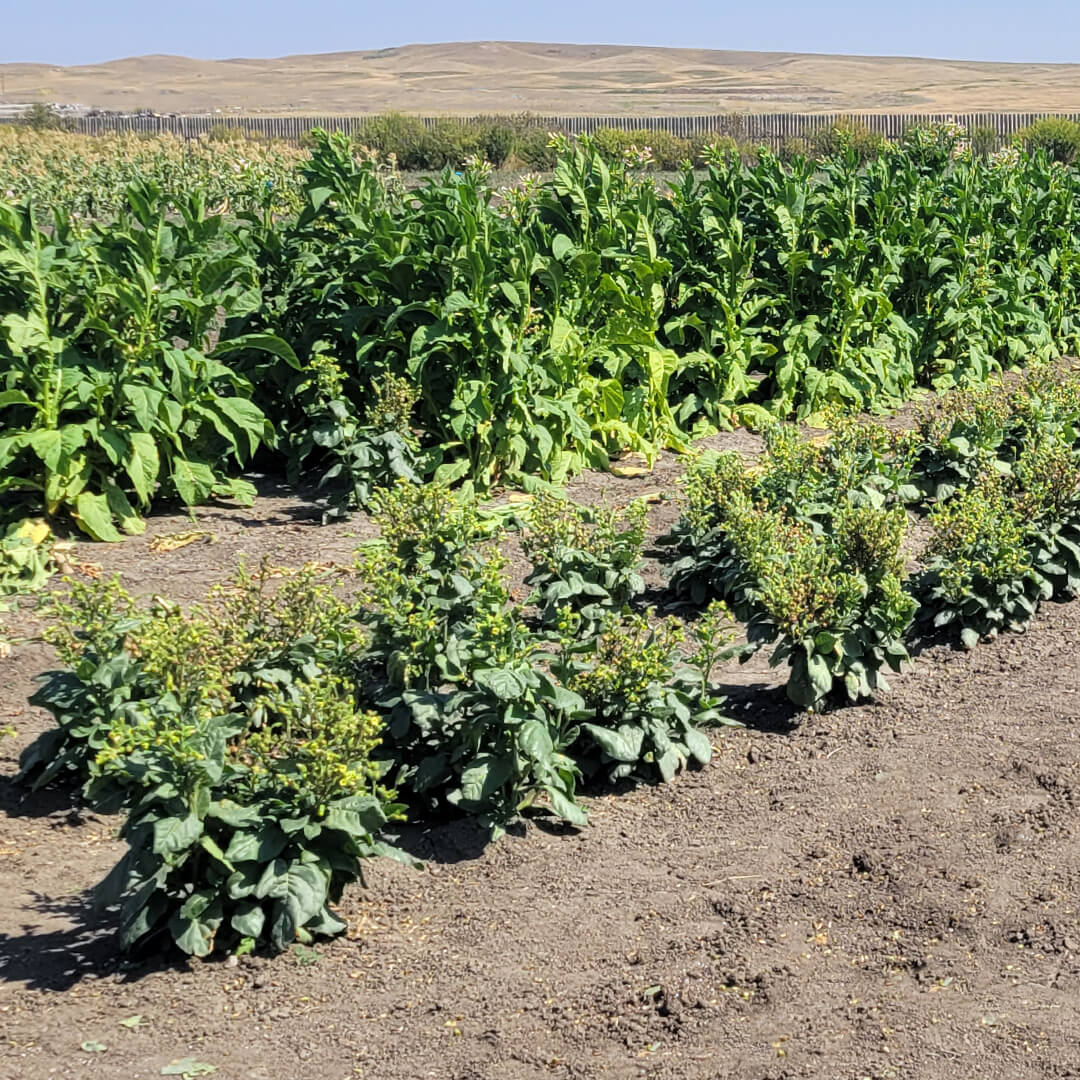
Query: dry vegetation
[476, 77]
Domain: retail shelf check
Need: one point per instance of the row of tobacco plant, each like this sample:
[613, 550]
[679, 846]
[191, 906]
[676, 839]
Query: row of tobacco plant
[810, 545]
[260, 744]
[363, 330]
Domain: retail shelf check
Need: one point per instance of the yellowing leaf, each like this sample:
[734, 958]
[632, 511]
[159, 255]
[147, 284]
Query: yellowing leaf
[33, 529]
[174, 541]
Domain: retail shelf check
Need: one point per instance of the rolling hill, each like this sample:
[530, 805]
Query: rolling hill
[499, 76]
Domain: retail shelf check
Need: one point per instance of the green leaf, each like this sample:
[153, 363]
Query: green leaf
[47, 445]
[504, 683]
[534, 740]
[623, 744]
[123, 511]
[269, 343]
[193, 936]
[821, 677]
[249, 919]
[565, 807]
[482, 779]
[175, 834]
[142, 465]
[561, 246]
[94, 516]
[260, 846]
[668, 763]
[699, 746]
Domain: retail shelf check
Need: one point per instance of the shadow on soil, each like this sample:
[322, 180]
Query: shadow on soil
[58, 959]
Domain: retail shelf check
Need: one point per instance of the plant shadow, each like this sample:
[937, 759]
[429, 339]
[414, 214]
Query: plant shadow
[58, 959]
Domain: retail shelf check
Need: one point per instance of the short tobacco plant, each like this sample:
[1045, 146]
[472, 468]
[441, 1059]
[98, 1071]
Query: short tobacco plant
[805, 546]
[235, 739]
[978, 578]
[585, 558]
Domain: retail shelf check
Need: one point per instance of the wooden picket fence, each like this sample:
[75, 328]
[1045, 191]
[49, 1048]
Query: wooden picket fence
[760, 129]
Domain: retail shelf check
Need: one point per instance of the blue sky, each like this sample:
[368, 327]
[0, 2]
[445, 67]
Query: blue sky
[79, 32]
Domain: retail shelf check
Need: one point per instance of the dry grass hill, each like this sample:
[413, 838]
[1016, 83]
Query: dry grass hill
[499, 76]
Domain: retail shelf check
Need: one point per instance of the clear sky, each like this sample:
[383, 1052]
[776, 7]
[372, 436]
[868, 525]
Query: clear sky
[89, 31]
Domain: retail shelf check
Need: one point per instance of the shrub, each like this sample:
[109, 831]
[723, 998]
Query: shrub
[585, 559]
[646, 705]
[364, 456]
[653, 147]
[1055, 136]
[242, 834]
[978, 577]
[42, 117]
[806, 547]
[484, 714]
[235, 740]
[847, 136]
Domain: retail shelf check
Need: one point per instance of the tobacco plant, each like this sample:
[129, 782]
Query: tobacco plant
[805, 546]
[587, 559]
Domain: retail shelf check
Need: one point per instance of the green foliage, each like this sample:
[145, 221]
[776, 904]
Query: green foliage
[243, 835]
[964, 430]
[848, 136]
[485, 712]
[539, 328]
[234, 739]
[101, 409]
[584, 559]
[806, 547]
[26, 558]
[1055, 136]
[978, 577]
[647, 706]
[367, 456]
[42, 117]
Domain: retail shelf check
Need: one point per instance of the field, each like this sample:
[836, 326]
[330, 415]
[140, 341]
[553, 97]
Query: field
[597, 627]
[552, 79]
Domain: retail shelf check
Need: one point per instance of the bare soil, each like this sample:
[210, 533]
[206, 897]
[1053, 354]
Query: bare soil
[887, 891]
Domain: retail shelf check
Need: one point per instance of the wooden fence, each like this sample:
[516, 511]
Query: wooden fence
[760, 129]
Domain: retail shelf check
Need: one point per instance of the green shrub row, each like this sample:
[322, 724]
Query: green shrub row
[457, 331]
[808, 544]
[258, 744]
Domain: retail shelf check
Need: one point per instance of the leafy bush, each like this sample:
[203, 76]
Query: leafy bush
[1048, 500]
[584, 559]
[964, 430]
[485, 714]
[806, 548]
[242, 834]
[234, 738]
[847, 136]
[1055, 136]
[216, 658]
[978, 577]
[101, 409]
[365, 456]
[647, 705]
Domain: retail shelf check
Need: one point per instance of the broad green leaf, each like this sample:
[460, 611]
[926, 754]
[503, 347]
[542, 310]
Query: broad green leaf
[269, 343]
[94, 516]
[175, 834]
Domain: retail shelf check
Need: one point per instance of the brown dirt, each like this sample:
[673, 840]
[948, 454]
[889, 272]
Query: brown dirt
[882, 891]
